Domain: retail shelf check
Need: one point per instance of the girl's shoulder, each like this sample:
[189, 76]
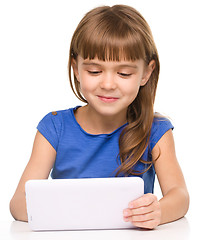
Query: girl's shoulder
[57, 117]
[160, 126]
[52, 124]
[161, 122]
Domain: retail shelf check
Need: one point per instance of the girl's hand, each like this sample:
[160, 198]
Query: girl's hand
[144, 212]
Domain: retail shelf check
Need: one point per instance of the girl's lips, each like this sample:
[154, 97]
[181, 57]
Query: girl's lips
[108, 99]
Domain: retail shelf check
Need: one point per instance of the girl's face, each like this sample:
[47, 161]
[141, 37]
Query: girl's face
[109, 86]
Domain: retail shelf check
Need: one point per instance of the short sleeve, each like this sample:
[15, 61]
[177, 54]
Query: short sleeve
[50, 128]
[160, 126]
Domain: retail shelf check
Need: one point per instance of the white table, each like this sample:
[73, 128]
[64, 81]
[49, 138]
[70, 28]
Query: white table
[180, 230]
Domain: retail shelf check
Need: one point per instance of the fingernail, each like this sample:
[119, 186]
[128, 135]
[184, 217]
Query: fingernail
[126, 219]
[126, 213]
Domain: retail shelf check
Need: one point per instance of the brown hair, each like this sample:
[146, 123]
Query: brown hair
[112, 34]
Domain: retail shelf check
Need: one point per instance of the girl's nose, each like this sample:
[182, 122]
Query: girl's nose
[108, 82]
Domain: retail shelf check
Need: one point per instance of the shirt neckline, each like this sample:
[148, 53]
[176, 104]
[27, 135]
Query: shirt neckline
[90, 134]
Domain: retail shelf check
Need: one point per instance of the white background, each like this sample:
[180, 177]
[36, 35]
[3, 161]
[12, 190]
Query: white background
[34, 43]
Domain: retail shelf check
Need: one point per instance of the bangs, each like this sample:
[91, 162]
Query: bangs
[109, 38]
[112, 48]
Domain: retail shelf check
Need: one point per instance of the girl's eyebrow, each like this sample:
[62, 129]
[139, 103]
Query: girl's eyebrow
[119, 65]
[90, 64]
[128, 66]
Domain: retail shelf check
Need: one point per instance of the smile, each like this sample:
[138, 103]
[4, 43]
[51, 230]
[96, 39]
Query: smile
[107, 99]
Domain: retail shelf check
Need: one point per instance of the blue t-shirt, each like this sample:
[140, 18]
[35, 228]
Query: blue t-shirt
[84, 155]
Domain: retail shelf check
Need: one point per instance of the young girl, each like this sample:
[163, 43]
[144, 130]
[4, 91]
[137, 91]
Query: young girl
[115, 65]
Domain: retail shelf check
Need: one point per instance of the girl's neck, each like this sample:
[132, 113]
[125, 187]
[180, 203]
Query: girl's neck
[95, 123]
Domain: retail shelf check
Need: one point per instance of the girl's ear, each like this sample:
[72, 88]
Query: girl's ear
[75, 68]
[147, 73]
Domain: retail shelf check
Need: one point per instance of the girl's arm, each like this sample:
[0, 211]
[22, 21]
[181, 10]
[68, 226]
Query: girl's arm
[147, 211]
[175, 202]
[39, 166]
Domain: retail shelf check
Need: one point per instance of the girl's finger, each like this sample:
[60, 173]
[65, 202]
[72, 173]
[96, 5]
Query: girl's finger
[150, 224]
[144, 217]
[145, 200]
[137, 211]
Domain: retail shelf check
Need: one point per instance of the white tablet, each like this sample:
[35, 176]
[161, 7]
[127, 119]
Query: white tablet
[76, 204]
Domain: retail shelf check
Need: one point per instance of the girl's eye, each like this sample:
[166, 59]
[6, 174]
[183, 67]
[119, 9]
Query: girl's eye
[124, 74]
[94, 72]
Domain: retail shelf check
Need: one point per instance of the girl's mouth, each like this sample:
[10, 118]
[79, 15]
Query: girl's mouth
[108, 99]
